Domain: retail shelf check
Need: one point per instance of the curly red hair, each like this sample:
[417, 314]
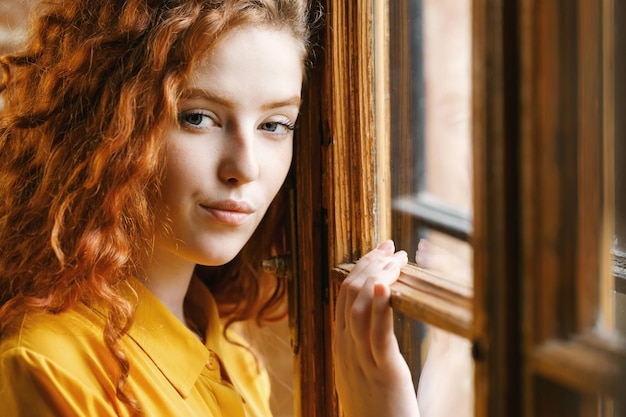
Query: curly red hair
[83, 108]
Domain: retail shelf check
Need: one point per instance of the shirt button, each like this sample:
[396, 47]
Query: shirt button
[210, 364]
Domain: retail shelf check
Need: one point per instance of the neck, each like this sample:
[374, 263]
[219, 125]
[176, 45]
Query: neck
[168, 279]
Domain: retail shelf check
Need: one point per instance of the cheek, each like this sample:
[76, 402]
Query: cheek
[274, 168]
[175, 172]
[185, 169]
[278, 165]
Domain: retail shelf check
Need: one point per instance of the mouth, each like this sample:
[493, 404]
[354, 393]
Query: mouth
[231, 213]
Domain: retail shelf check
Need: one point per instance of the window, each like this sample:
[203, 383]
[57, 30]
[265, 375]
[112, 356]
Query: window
[543, 230]
[540, 314]
[430, 46]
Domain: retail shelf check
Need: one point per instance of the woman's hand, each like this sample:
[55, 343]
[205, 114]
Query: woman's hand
[371, 376]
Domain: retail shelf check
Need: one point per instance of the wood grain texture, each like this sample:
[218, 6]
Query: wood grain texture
[351, 175]
[309, 303]
[429, 298]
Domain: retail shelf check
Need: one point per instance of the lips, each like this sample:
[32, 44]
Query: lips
[228, 212]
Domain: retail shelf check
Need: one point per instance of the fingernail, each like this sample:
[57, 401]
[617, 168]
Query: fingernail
[379, 290]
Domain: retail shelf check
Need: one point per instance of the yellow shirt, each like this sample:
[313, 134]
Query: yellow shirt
[58, 365]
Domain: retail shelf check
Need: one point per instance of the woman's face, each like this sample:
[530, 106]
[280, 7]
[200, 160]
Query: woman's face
[232, 149]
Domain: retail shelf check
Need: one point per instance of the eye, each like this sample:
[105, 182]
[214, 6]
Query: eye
[279, 127]
[196, 119]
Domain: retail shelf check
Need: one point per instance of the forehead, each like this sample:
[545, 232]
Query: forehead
[253, 35]
[251, 59]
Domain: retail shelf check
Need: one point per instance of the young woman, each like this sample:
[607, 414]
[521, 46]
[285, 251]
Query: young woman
[141, 146]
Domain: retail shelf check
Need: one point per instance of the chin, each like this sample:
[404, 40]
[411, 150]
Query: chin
[216, 251]
[217, 258]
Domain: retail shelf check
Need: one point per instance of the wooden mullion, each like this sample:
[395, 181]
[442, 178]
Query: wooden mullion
[608, 222]
[436, 215]
[562, 169]
[618, 89]
[596, 367]
[404, 110]
[382, 121]
[592, 236]
[495, 136]
[547, 81]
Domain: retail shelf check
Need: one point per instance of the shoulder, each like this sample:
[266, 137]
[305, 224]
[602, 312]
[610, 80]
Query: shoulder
[71, 341]
[48, 332]
[45, 369]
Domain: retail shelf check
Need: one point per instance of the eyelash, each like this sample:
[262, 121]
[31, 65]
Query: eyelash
[285, 123]
[183, 120]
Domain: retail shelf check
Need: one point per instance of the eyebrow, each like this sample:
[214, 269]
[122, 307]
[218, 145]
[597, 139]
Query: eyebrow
[197, 93]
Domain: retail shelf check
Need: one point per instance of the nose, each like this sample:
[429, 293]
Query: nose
[239, 163]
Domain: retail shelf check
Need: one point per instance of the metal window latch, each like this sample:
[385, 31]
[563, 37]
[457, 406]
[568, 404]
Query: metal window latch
[280, 266]
[285, 266]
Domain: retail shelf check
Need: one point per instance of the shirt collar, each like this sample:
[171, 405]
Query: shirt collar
[173, 348]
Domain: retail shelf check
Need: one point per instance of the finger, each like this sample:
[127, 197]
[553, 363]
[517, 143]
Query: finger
[384, 249]
[379, 267]
[388, 247]
[401, 258]
[358, 310]
[384, 269]
[349, 287]
[422, 255]
[359, 315]
[351, 339]
[383, 339]
[367, 266]
[340, 322]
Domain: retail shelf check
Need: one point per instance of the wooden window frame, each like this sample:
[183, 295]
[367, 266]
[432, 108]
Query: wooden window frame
[566, 278]
[531, 318]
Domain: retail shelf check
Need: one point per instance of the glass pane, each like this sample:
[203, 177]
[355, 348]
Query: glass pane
[442, 367]
[446, 95]
[430, 79]
[271, 343]
[446, 256]
[431, 171]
